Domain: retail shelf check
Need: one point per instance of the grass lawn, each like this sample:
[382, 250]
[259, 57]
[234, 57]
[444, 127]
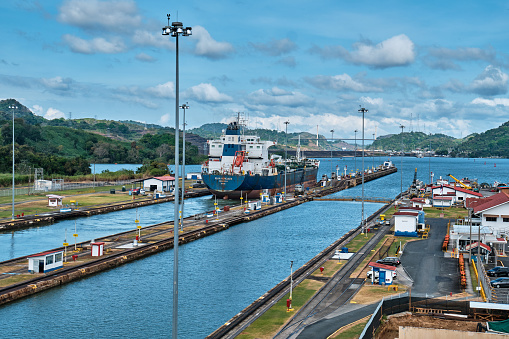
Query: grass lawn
[330, 268]
[393, 250]
[271, 321]
[351, 331]
[449, 213]
[14, 279]
[39, 203]
[356, 243]
[369, 294]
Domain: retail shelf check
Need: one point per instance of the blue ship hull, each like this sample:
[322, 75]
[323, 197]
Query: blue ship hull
[250, 186]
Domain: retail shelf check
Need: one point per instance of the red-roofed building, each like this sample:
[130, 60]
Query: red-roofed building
[164, 183]
[493, 211]
[45, 261]
[458, 194]
[384, 273]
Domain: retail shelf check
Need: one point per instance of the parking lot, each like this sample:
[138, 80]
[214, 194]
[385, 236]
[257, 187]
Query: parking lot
[432, 273]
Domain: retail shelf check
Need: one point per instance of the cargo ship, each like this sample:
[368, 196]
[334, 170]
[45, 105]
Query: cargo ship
[238, 165]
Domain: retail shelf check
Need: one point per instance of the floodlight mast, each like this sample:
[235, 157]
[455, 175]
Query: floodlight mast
[175, 30]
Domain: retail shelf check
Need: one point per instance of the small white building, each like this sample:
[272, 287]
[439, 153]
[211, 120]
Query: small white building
[45, 261]
[405, 223]
[193, 176]
[165, 183]
[96, 249]
[254, 205]
[54, 200]
[385, 273]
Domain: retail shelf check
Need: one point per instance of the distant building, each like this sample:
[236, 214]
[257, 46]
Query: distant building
[45, 261]
[164, 183]
[458, 195]
[54, 200]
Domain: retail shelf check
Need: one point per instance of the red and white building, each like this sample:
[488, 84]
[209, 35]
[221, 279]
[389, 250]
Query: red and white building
[448, 195]
[164, 183]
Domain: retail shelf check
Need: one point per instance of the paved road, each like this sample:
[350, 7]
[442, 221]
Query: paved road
[328, 325]
[433, 274]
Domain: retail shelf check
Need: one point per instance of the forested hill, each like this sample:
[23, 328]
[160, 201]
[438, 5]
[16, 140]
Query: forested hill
[492, 143]
[67, 147]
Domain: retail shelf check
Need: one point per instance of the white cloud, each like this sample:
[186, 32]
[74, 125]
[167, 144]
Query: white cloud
[393, 52]
[96, 45]
[37, 110]
[491, 102]
[53, 113]
[208, 47]
[166, 90]
[146, 38]
[207, 93]
[492, 81]
[372, 101]
[276, 47]
[144, 57]
[112, 15]
[341, 82]
[57, 83]
[165, 119]
[280, 97]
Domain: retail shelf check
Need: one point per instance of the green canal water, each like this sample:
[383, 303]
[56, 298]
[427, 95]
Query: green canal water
[219, 275]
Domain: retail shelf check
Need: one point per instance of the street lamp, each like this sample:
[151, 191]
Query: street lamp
[175, 30]
[332, 131]
[429, 162]
[184, 107]
[286, 149]
[362, 110]
[13, 107]
[291, 284]
[355, 153]
[402, 154]
[373, 152]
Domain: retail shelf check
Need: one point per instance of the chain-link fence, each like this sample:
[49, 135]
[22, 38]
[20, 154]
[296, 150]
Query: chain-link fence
[63, 186]
[485, 281]
[413, 304]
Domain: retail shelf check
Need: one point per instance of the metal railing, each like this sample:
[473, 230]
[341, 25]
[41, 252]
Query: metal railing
[63, 187]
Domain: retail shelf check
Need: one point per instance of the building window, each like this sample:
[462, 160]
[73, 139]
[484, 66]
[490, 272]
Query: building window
[491, 218]
[257, 146]
[505, 219]
[460, 198]
[58, 257]
[213, 146]
[49, 260]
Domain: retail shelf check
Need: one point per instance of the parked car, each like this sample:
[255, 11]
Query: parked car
[499, 271]
[394, 275]
[500, 282]
[393, 261]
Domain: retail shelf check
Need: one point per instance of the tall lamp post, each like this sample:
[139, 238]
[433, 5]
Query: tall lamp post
[13, 107]
[286, 149]
[362, 110]
[332, 131]
[355, 152]
[175, 30]
[184, 107]
[402, 154]
[429, 162]
[373, 153]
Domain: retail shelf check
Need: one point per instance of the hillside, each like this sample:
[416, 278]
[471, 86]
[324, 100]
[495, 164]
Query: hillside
[492, 143]
[68, 146]
[408, 141]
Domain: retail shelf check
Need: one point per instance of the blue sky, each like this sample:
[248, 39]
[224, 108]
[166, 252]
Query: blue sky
[433, 66]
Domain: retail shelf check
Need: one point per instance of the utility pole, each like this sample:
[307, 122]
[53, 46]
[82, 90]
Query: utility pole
[402, 155]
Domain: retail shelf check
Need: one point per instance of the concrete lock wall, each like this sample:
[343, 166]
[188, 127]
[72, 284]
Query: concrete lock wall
[432, 333]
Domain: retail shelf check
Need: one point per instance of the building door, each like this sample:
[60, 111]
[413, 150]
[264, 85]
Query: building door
[41, 266]
[381, 277]
[153, 188]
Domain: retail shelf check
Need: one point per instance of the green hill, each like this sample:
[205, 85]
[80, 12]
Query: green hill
[68, 147]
